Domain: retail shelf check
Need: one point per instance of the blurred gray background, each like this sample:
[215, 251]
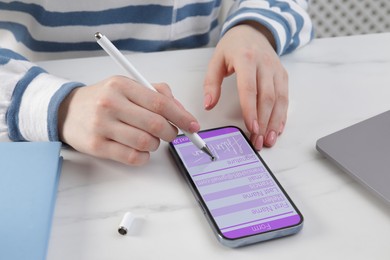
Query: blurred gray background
[347, 17]
[333, 18]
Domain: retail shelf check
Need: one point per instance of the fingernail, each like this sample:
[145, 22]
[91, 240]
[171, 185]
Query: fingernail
[259, 142]
[207, 101]
[194, 127]
[255, 127]
[271, 138]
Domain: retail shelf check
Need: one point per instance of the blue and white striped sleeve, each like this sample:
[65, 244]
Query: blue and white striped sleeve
[29, 99]
[287, 20]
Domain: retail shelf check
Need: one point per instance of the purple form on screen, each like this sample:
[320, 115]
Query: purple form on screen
[237, 188]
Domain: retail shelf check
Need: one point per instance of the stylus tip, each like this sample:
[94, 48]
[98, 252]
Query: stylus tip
[207, 150]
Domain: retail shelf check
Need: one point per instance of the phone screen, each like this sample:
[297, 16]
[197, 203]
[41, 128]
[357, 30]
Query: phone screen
[238, 189]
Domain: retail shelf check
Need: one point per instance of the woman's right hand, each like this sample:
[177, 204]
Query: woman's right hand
[121, 120]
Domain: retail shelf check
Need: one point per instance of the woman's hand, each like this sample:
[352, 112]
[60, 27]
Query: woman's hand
[262, 81]
[121, 120]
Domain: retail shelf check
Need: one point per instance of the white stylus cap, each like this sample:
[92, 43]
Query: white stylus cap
[126, 223]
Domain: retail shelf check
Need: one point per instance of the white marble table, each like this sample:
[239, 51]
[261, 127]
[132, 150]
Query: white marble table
[333, 83]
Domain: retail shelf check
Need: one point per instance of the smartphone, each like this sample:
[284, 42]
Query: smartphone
[239, 195]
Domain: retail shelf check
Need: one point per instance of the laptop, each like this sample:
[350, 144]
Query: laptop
[363, 151]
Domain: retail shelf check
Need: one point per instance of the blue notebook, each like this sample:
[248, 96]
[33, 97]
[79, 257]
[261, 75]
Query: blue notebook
[29, 174]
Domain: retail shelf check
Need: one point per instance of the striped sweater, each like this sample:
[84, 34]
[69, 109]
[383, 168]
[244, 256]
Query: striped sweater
[41, 30]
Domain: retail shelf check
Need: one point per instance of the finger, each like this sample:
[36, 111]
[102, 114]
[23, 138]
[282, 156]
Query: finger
[165, 107]
[257, 141]
[247, 90]
[215, 74]
[109, 149]
[284, 121]
[265, 100]
[279, 112]
[132, 137]
[147, 121]
[166, 90]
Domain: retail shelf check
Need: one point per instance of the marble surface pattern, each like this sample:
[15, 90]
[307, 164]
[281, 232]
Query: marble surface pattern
[334, 82]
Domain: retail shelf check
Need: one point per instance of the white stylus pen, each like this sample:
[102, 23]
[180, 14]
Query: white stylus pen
[114, 53]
